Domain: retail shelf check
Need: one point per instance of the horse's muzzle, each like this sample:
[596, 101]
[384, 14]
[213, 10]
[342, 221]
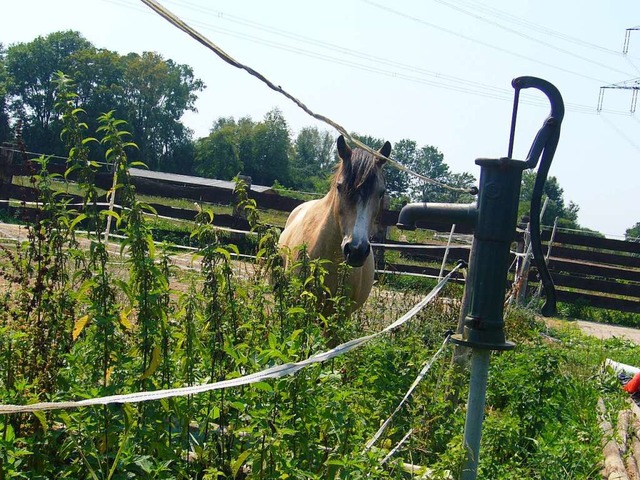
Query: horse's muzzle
[356, 253]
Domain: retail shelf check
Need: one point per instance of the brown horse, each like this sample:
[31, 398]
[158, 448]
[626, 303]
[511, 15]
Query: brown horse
[338, 226]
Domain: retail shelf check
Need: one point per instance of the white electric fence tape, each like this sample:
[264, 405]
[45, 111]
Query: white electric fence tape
[395, 449]
[273, 372]
[413, 386]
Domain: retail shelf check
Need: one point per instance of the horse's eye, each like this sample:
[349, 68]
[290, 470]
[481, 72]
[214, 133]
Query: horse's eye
[339, 186]
[382, 192]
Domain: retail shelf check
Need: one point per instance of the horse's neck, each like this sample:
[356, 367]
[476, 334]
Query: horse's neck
[328, 226]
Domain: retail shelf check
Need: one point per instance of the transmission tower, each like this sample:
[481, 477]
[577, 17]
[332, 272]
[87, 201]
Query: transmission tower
[633, 84]
[627, 37]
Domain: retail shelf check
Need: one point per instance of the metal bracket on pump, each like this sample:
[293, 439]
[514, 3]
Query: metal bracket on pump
[543, 145]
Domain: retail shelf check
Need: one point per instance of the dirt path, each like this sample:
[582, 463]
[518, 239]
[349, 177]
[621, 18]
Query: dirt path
[599, 330]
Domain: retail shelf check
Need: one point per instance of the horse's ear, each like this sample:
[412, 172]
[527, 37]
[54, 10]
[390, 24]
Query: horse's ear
[343, 149]
[386, 151]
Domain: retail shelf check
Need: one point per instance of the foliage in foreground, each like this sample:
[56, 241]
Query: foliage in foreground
[74, 324]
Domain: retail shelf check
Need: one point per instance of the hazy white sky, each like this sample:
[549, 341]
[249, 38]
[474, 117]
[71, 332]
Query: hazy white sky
[435, 71]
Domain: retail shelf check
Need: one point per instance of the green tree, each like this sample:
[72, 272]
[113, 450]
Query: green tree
[429, 161]
[149, 92]
[217, 156]
[159, 92]
[556, 207]
[312, 160]
[30, 90]
[270, 154]
[5, 131]
[633, 233]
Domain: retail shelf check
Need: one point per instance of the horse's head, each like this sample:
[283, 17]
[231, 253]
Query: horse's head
[360, 189]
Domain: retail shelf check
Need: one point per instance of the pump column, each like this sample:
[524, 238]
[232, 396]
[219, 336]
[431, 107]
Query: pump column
[499, 193]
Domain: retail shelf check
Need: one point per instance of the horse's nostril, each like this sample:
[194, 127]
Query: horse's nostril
[355, 255]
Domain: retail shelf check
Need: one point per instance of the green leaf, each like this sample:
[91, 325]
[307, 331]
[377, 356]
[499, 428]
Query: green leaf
[235, 467]
[42, 418]
[224, 252]
[264, 386]
[111, 213]
[77, 220]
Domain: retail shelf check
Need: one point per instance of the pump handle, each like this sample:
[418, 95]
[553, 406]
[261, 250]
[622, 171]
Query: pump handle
[543, 148]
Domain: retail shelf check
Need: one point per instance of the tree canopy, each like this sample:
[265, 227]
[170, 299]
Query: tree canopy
[152, 93]
[260, 150]
[556, 207]
[633, 233]
[147, 91]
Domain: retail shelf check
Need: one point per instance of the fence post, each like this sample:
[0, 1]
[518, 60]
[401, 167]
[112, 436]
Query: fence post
[526, 263]
[6, 176]
[523, 272]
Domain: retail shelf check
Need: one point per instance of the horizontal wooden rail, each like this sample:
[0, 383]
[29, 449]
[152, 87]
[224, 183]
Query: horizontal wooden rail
[586, 268]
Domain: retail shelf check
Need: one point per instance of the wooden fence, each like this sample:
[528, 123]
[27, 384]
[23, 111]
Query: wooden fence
[586, 269]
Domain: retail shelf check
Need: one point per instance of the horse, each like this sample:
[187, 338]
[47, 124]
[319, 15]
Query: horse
[338, 226]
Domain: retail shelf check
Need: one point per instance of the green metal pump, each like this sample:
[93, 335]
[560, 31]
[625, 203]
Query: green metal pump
[494, 217]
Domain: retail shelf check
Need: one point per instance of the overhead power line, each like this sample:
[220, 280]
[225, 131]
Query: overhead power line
[478, 41]
[372, 63]
[528, 37]
[523, 22]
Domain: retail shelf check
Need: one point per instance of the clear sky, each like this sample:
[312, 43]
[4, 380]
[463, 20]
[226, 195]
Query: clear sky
[435, 71]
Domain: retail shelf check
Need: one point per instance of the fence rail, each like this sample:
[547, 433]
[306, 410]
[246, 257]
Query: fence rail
[586, 268]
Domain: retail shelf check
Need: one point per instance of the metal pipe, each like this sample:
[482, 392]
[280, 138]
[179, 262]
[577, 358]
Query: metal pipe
[475, 411]
[445, 212]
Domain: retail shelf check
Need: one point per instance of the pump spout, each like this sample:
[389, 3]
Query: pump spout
[437, 212]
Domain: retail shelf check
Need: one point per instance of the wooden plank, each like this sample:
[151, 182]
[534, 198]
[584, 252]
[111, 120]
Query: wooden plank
[592, 284]
[603, 271]
[610, 303]
[594, 256]
[592, 241]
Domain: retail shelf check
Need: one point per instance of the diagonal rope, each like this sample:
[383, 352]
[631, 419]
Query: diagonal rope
[180, 24]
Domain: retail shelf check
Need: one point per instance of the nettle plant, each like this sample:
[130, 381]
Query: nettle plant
[79, 321]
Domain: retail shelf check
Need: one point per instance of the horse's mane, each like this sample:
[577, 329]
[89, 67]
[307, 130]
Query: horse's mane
[357, 175]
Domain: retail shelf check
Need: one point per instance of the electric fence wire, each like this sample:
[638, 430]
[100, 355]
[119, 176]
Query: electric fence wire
[418, 379]
[397, 447]
[277, 371]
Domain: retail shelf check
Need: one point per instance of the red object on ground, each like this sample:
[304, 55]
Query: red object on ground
[634, 384]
